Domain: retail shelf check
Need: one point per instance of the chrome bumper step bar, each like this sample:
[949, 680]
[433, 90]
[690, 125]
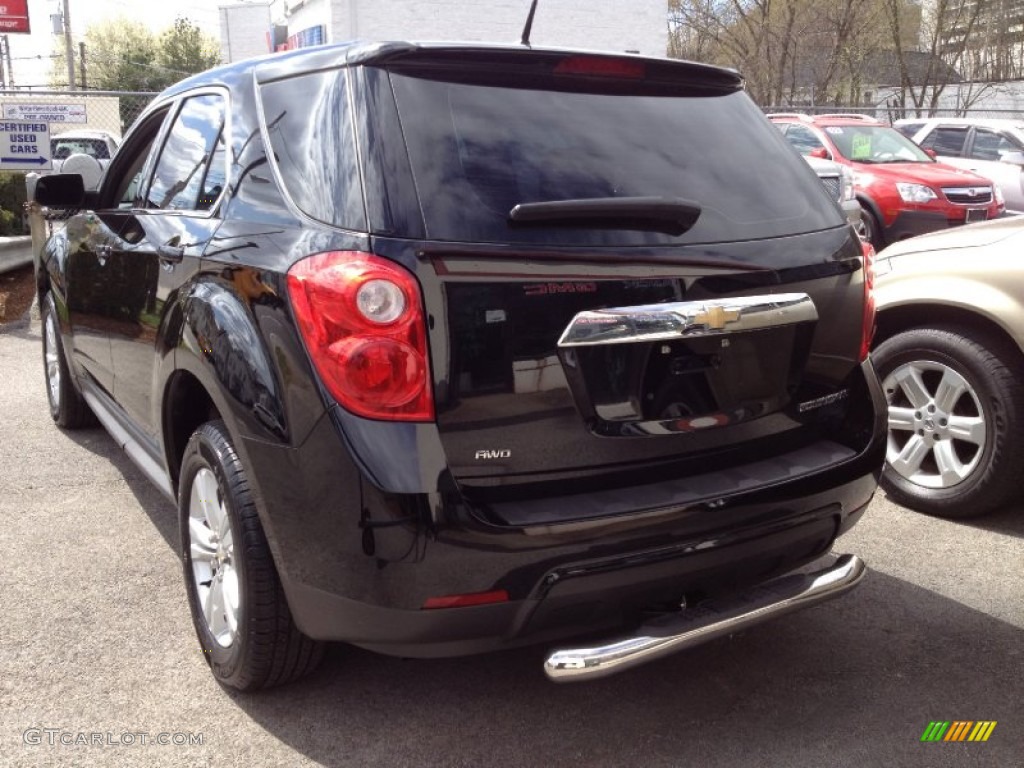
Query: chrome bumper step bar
[710, 619]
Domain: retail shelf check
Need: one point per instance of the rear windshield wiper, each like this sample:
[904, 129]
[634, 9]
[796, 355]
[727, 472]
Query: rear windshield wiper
[671, 215]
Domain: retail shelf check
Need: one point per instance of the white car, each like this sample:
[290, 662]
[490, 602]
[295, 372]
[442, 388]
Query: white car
[993, 148]
[98, 144]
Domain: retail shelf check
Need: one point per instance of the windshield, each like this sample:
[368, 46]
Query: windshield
[875, 144]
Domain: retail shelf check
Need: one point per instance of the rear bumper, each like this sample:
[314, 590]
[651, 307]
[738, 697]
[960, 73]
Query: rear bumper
[357, 564]
[678, 631]
[572, 590]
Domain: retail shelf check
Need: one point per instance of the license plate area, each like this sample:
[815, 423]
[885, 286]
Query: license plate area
[666, 369]
[977, 214]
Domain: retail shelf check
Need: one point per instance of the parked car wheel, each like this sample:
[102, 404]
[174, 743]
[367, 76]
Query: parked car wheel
[956, 405]
[872, 230]
[238, 606]
[67, 408]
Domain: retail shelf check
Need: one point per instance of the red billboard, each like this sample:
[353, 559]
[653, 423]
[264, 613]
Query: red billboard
[14, 17]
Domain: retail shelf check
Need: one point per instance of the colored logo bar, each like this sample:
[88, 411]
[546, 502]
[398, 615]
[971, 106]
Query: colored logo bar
[958, 730]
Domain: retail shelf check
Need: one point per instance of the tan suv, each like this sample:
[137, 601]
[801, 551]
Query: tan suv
[948, 350]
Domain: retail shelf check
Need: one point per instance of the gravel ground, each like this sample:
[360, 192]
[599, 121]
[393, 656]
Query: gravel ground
[97, 639]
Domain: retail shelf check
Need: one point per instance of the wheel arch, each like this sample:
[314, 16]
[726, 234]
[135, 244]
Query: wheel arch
[187, 405]
[896, 319]
[869, 205]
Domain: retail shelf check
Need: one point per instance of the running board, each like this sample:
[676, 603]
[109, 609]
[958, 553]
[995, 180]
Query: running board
[142, 459]
[710, 619]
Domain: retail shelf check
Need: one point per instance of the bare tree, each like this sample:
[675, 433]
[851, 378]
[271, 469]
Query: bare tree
[947, 28]
[784, 48]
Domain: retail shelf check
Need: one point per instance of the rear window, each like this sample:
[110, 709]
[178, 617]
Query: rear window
[477, 151]
[64, 148]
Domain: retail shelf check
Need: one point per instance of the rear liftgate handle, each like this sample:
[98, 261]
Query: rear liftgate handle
[686, 319]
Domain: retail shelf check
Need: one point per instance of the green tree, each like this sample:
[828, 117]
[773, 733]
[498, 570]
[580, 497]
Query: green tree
[124, 55]
[184, 48]
[120, 55]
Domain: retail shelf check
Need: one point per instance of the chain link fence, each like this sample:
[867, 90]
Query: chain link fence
[65, 112]
[889, 114]
[110, 111]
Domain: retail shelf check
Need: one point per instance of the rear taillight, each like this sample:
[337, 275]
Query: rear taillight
[868, 326]
[363, 323]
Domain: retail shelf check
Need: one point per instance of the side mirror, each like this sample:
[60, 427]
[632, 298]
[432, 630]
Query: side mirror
[1013, 158]
[60, 190]
[932, 154]
[821, 153]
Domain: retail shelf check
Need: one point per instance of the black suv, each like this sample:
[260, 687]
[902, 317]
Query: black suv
[441, 349]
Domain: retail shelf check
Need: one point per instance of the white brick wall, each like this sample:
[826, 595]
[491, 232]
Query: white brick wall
[243, 31]
[614, 25]
[311, 14]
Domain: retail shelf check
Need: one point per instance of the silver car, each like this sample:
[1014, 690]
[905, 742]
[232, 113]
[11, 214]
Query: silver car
[948, 349]
[838, 182]
[993, 148]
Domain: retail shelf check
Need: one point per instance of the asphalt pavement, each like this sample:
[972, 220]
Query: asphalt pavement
[96, 646]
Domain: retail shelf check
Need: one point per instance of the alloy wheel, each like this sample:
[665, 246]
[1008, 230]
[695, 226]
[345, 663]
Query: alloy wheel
[52, 359]
[937, 426]
[214, 571]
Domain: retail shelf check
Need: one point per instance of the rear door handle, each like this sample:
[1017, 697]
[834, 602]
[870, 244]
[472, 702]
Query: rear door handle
[169, 253]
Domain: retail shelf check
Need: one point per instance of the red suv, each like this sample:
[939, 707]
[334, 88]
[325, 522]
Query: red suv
[902, 189]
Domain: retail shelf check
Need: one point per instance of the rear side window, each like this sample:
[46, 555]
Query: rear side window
[989, 145]
[946, 140]
[310, 128]
[478, 150]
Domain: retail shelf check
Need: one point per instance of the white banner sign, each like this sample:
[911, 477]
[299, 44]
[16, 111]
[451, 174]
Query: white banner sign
[46, 113]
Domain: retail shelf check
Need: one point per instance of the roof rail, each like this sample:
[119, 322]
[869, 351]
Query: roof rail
[849, 116]
[791, 116]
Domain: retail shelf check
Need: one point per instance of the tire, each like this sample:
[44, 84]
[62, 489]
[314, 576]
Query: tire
[956, 408]
[872, 229]
[67, 408]
[253, 643]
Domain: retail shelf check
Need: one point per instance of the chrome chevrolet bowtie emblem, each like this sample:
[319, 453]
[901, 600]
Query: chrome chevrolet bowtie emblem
[716, 317]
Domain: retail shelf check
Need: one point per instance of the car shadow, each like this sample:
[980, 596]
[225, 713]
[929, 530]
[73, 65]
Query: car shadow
[1009, 521]
[161, 512]
[850, 683]
[854, 682]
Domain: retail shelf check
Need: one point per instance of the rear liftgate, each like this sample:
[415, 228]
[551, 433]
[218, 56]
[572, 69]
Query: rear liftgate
[709, 332]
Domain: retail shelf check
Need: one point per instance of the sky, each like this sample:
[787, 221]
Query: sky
[26, 50]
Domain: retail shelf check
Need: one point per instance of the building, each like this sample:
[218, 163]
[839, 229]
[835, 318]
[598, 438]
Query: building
[252, 29]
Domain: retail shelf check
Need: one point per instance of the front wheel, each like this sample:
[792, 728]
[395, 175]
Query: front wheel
[239, 610]
[67, 408]
[956, 405]
[872, 228]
